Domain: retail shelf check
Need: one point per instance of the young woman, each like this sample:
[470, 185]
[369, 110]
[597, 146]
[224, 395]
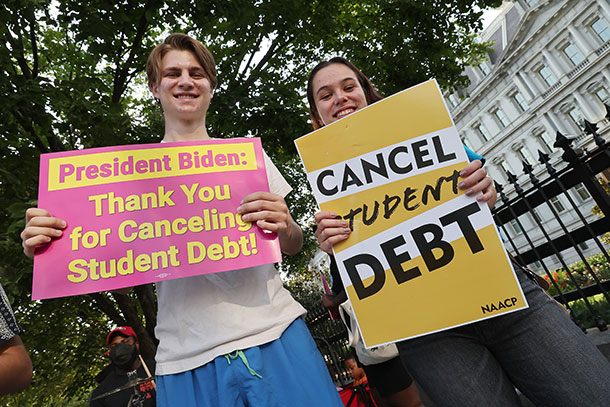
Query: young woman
[538, 350]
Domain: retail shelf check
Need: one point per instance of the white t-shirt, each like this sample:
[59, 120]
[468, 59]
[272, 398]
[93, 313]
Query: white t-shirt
[203, 317]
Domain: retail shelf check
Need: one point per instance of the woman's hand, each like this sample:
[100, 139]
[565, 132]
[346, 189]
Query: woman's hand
[333, 301]
[40, 228]
[330, 231]
[270, 212]
[476, 180]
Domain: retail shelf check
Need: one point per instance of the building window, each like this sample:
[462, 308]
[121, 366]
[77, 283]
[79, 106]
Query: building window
[602, 94]
[483, 132]
[547, 75]
[501, 116]
[520, 101]
[505, 166]
[577, 117]
[573, 54]
[556, 202]
[581, 192]
[516, 228]
[583, 246]
[600, 26]
[484, 68]
[546, 140]
[536, 215]
[525, 155]
[453, 100]
[467, 143]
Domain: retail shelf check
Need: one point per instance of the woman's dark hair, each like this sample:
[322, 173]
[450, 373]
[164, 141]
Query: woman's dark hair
[370, 92]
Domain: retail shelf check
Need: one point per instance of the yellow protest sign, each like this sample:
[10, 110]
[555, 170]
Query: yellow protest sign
[423, 257]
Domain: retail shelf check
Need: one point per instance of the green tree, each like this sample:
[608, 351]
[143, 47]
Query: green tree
[72, 77]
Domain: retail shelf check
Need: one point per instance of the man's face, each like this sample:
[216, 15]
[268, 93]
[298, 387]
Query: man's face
[116, 339]
[184, 91]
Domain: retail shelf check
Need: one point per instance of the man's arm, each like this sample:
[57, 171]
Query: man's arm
[15, 366]
[291, 240]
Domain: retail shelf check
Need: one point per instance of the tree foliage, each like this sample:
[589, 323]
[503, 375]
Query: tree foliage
[72, 77]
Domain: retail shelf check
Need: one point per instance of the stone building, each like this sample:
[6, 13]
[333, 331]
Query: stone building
[547, 71]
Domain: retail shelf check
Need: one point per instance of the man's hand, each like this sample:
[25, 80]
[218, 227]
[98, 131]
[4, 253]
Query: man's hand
[270, 212]
[40, 228]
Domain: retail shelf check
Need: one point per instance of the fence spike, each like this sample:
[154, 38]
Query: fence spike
[499, 187]
[570, 154]
[512, 178]
[590, 128]
[561, 141]
[529, 170]
[543, 158]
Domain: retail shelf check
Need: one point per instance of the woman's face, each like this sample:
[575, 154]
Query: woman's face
[337, 93]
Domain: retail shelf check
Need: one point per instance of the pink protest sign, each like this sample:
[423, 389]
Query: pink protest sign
[145, 213]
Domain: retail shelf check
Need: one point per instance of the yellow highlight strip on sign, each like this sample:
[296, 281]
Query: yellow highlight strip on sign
[140, 164]
[374, 127]
[440, 293]
[414, 196]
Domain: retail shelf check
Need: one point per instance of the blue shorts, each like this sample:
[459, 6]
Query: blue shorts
[286, 372]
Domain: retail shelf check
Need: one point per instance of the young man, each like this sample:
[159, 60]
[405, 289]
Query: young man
[231, 338]
[123, 349]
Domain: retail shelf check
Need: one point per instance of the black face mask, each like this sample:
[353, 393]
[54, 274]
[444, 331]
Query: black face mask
[123, 355]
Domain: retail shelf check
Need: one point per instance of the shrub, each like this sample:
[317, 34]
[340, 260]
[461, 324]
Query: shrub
[583, 277]
[581, 312]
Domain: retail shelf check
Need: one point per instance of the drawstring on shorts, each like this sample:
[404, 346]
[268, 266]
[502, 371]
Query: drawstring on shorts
[240, 354]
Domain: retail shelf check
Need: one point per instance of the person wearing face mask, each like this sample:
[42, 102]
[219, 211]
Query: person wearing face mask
[128, 367]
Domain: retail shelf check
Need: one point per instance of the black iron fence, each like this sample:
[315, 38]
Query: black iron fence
[535, 248]
[331, 338]
[544, 244]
